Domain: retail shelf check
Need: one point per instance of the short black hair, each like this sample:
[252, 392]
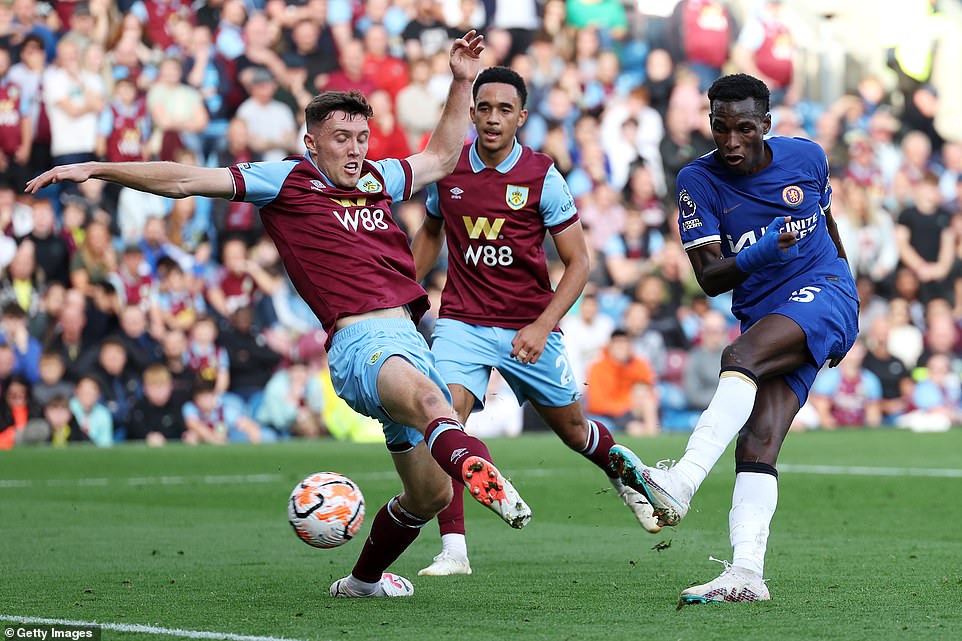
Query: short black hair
[501, 74]
[324, 104]
[739, 86]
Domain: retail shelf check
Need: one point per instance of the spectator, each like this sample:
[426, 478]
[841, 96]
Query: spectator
[241, 282]
[210, 420]
[73, 99]
[61, 424]
[68, 337]
[270, 123]
[176, 306]
[937, 399]
[16, 128]
[926, 240]
[51, 250]
[867, 231]
[644, 339]
[916, 163]
[142, 349]
[621, 389]
[205, 358]
[18, 285]
[627, 254]
[16, 410]
[157, 417]
[387, 139]
[133, 280]
[585, 334]
[848, 395]
[52, 381]
[119, 385]
[703, 32]
[388, 72]
[174, 346]
[905, 339]
[767, 50]
[291, 402]
[26, 348]
[425, 35]
[177, 112]
[652, 292]
[124, 127]
[253, 359]
[93, 418]
[350, 74]
[417, 108]
[95, 260]
[27, 75]
[892, 374]
[704, 361]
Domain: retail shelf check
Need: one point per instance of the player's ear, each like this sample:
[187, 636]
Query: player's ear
[522, 117]
[767, 123]
[309, 143]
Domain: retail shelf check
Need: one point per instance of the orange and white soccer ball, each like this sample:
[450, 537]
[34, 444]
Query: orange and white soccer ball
[326, 509]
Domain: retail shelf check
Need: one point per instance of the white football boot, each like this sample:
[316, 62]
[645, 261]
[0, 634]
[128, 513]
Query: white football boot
[446, 564]
[389, 585]
[638, 505]
[668, 497]
[734, 585]
[489, 488]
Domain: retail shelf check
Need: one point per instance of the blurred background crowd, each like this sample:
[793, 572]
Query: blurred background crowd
[126, 316]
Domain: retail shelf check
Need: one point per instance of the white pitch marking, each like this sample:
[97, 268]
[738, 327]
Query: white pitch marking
[821, 470]
[145, 629]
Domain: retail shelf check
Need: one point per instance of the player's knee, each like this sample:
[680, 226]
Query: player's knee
[739, 354]
[431, 403]
[754, 447]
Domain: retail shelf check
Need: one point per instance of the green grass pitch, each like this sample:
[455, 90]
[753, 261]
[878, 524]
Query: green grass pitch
[866, 547]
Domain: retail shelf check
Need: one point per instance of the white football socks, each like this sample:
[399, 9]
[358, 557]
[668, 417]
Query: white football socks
[456, 544]
[753, 504]
[729, 410]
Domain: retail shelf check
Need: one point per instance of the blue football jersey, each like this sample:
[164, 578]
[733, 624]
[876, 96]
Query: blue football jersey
[716, 205]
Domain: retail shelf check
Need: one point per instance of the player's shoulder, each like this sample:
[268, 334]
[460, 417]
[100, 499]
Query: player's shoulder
[529, 155]
[704, 166]
[797, 146]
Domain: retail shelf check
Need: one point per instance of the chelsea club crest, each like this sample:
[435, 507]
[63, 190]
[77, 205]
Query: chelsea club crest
[793, 195]
[516, 197]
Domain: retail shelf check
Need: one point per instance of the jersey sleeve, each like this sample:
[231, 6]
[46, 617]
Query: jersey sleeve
[260, 182]
[398, 178]
[432, 203]
[824, 182]
[697, 210]
[558, 208]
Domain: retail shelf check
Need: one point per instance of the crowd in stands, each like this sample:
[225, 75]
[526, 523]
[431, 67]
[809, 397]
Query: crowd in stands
[127, 316]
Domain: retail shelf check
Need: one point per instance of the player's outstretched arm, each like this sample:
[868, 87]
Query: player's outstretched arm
[169, 179]
[426, 245]
[441, 154]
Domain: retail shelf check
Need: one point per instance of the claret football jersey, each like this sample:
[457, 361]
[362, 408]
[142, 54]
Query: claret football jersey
[495, 220]
[343, 250]
[716, 205]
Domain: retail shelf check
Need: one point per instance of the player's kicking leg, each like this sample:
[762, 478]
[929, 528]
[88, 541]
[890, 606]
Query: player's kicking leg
[427, 490]
[755, 495]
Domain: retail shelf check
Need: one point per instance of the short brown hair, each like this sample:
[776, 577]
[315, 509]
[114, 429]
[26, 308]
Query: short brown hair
[156, 374]
[325, 103]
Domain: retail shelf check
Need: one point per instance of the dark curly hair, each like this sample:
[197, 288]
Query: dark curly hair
[501, 74]
[739, 86]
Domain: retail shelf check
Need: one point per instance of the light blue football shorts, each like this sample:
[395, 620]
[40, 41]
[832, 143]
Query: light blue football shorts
[357, 353]
[466, 353]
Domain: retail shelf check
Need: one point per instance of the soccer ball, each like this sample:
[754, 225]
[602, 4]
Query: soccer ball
[326, 509]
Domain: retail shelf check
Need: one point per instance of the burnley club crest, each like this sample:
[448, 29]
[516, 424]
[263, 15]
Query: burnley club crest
[516, 197]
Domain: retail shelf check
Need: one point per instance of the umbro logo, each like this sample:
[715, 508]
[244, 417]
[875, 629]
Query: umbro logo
[458, 453]
[317, 185]
[456, 193]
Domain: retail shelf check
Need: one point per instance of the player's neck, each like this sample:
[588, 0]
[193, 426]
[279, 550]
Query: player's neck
[490, 159]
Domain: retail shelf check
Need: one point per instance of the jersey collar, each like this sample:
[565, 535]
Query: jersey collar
[506, 165]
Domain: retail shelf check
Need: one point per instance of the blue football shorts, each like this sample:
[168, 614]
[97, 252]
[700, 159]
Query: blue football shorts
[828, 314]
[466, 353]
[357, 353]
